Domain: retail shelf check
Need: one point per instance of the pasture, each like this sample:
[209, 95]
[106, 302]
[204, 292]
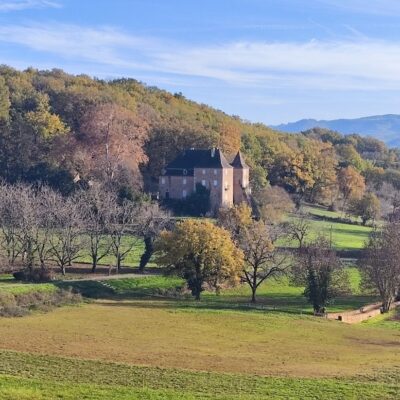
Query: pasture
[146, 338]
[139, 341]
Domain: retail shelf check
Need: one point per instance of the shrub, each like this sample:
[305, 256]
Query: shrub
[36, 275]
[18, 305]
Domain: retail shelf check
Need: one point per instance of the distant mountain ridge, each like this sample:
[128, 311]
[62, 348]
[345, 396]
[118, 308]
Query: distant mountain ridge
[383, 127]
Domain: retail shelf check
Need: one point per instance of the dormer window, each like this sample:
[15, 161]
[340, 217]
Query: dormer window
[162, 181]
[215, 172]
[203, 171]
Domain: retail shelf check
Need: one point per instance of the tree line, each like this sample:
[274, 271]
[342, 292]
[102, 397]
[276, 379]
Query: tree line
[41, 228]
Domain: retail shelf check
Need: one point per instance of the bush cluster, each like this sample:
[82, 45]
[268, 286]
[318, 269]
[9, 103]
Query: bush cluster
[20, 304]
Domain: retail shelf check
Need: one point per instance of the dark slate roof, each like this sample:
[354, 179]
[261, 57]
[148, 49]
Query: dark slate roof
[192, 158]
[238, 161]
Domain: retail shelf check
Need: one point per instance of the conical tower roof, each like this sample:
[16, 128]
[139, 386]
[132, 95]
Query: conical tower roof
[238, 161]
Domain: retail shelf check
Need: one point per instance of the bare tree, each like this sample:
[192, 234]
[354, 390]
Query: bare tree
[9, 222]
[298, 229]
[151, 220]
[46, 204]
[123, 230]
[67, 242]
[28, 224]
[97, 205]
[262, 260]
[380, 264]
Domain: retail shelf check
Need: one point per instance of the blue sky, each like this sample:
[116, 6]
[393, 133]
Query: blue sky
[271, 61]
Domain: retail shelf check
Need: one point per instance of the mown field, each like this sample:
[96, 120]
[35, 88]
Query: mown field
[345, 236]
[136, 340]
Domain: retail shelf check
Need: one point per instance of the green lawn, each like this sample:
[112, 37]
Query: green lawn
[345, 236]
[132, 259]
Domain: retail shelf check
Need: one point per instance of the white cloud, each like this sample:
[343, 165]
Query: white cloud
[18, 5]
[361, 63]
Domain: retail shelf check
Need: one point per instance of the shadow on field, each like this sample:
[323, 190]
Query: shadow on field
[158, 292]
[192, 305]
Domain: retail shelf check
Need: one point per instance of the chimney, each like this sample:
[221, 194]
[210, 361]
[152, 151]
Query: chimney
[213, 152]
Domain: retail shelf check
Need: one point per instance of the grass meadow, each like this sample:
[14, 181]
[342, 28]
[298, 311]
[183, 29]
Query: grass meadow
[133, 340]
[145, 338]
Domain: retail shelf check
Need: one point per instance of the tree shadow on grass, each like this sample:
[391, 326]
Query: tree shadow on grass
[148, 297]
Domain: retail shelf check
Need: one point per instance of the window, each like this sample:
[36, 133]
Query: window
[184, 193]
[184, 181]
[215, 183]
[203, 182]
[204, 171]
[215, 172]
[162, 181]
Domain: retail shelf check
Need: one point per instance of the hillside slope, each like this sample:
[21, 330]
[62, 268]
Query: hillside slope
[383, 127]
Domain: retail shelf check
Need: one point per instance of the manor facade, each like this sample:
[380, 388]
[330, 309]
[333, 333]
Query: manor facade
[228, 183]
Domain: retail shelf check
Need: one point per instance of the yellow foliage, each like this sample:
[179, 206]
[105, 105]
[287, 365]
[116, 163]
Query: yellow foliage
[200, 252]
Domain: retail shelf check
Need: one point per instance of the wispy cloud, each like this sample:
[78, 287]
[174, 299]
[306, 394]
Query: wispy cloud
[360, 63]
[19, 5]
[376, 7]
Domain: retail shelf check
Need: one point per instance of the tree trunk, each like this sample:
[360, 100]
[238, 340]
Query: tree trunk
[386, 305]
[253, 295]
[63, 270]
[94, 264]
[148, 252]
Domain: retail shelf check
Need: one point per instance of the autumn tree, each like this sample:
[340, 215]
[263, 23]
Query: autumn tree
[235, 219]
[229, 137]
[201, 253]
[380, 264]
[112, 138]
[368, 208]
[274, 203]
[4, 101]
[351, 184]
[319, 269]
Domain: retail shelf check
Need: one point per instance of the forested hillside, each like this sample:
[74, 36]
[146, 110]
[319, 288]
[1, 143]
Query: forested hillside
[66, 130]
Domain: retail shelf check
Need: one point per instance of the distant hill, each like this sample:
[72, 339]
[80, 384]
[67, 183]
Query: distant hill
[383, 127]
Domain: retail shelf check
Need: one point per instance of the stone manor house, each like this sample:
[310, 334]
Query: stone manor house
[228, 183]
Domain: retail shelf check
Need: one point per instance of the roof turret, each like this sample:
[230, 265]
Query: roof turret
[238, 161]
